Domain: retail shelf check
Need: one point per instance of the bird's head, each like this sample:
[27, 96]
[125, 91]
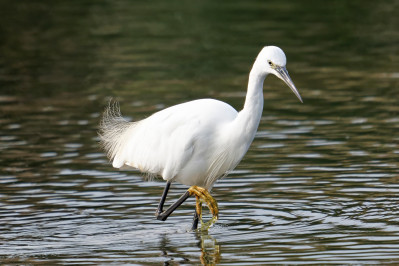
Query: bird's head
[272, 60]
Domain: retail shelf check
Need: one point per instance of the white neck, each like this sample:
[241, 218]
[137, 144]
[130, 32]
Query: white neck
[248, 118]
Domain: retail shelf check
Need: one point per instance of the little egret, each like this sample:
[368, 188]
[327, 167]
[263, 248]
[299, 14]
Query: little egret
[193, 143]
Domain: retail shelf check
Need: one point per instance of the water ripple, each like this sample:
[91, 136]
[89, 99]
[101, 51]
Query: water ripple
[319, 185]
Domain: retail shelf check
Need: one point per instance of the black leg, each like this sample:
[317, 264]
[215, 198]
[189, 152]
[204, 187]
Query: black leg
[195, 221]
[163, 198]
[164, 215]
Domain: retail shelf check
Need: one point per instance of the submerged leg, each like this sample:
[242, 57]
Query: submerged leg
[197, 213]
[195, 221]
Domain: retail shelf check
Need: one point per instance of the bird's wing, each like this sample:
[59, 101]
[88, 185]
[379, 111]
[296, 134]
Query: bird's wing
[159, 144]
[164, 142]
[147, 144]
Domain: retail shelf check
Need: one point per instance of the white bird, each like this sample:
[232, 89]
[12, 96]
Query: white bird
[193, 143]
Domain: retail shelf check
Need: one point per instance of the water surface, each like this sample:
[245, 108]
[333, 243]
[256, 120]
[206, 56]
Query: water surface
[318, 185]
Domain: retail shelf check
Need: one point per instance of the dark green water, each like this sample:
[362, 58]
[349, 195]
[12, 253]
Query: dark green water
[320, 183]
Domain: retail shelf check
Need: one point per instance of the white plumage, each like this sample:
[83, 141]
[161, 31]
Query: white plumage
[196, 142]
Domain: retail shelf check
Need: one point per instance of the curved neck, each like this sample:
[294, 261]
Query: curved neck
[254, 98]
[249, 117]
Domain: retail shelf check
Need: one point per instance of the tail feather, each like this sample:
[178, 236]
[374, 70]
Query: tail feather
[111, 129]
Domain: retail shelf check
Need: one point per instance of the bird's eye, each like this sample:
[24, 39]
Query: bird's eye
[270, 63]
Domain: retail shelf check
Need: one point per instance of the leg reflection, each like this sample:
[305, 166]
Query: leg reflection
[210, 249]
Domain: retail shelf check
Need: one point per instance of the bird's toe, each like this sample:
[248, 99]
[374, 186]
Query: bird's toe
[205, 196]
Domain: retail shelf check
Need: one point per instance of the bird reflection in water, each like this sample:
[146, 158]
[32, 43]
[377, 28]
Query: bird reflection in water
[207, 244]
[210, 249]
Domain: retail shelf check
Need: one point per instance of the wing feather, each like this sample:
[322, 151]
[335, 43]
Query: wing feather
[159, 144]
[183, 142]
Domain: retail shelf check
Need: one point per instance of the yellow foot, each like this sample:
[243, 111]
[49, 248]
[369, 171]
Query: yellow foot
[203, 195]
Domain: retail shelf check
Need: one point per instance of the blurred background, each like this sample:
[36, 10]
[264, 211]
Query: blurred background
[319, 184]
